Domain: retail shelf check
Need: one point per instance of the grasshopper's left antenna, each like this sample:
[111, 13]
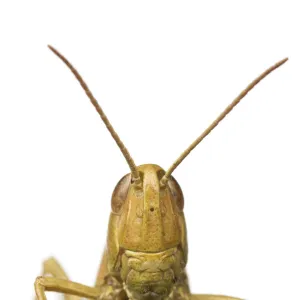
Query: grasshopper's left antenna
[227, 110]
[135, 174]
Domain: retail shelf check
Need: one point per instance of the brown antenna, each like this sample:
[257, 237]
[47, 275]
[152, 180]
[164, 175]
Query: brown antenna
[218, 120]
[133, 168]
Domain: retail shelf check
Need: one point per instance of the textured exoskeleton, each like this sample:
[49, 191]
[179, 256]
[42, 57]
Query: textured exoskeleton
[146, 250]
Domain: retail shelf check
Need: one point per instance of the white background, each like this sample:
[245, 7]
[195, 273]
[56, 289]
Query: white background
[162, 70]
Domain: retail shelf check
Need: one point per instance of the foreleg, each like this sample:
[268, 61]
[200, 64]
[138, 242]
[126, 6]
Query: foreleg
[51, 267]
[111, 289]
[212, 297]
[43, 284]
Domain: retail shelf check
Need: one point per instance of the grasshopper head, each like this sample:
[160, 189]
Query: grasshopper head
[148, 227]
[148, 212]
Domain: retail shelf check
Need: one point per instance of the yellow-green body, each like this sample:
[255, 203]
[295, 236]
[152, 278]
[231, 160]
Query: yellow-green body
[146, 250]
[146, 241]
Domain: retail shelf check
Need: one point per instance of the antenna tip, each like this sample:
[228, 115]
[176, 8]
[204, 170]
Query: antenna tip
[284, 60]
[52, 48]
[58, 54]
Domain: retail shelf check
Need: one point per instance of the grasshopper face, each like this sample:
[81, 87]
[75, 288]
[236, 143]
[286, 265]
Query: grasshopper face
[147, 234]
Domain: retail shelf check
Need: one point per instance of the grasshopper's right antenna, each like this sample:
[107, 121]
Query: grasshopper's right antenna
[227, 110]
[134, 172]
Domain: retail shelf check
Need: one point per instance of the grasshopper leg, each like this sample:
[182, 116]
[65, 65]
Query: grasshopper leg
[51, 267]
[212, 297]
[43, 284]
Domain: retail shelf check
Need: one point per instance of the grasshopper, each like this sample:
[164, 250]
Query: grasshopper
[146, 251]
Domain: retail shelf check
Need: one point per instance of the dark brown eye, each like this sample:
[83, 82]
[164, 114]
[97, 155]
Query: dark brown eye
[120, 193]
[176, 193]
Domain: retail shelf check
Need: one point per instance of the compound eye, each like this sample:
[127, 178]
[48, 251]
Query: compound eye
[120, 194]
[176, 193]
